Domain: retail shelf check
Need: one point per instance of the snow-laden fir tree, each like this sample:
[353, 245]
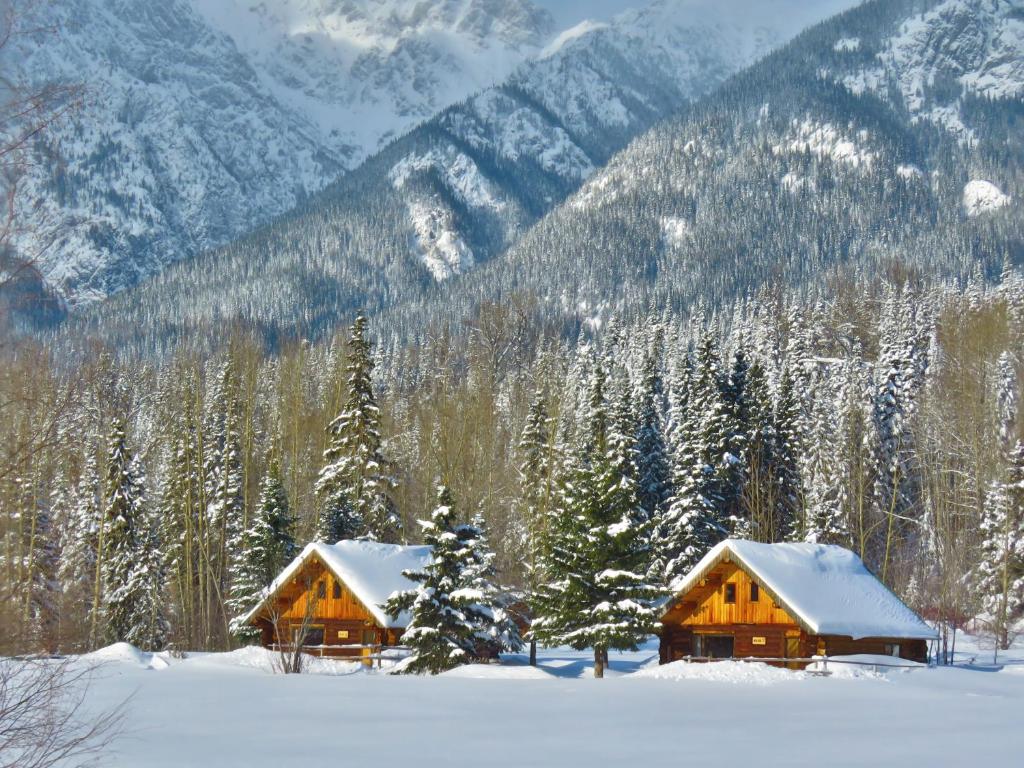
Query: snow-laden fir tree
[787, 521]
[689, 527]
[356, 485]
[761, 468]
[267, 546]
[733, 470]
[653, 466]
[536, 493]
[449, 621]
[1000, 571]
[132, 573]
[825, 521]
[596, 596]
[489, 605]
[225, 506]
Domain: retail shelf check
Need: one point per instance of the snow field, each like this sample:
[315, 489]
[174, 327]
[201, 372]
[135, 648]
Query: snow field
[229, 710]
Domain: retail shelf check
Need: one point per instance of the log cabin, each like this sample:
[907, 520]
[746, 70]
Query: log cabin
[329, 599]
[786, 601]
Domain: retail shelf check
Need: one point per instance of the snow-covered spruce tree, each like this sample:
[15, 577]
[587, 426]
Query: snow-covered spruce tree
[355, 485]
[488, 604]
[761, 479]
[823, 489]
[225, 510]
[133, 605]
[446, 618]
[653, 467]
[787, 521]
[690, 526]
[733, 470]
[267, 546]
[596, 598]
[536, 494]
[999, 574]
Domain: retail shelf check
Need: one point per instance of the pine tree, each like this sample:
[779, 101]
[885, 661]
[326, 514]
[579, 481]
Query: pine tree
[536, 494]
[1000, 571]
[733, 470]
[444, 621]
[787, 522]
[653, 470]
[824, 491]
[595, 597]
[488, 605]
[131, 570]
[355, 486]
[689, 527]
[268, 545]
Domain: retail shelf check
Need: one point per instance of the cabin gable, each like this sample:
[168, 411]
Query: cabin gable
[728, 595]
[315, 584]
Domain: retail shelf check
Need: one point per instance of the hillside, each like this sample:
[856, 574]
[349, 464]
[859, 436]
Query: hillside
[884, 139]
[457, 191]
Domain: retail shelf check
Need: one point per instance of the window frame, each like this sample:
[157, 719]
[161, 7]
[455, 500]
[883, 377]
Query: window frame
[729, 597]
[755, 592]
[336, 590]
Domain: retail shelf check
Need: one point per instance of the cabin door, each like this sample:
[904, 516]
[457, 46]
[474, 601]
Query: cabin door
[793, 651]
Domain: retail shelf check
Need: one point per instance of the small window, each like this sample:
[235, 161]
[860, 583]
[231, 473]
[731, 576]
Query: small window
[730, 593]
[337, 591]
[755, 592]
[321, 590]
[892, 649]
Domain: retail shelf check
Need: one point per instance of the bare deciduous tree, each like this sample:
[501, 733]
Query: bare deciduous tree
[42, 719]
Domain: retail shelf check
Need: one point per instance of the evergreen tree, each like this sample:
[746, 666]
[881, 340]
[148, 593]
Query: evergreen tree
[488, 604]
[355, 486]
[734, 464]
[131, 569]
[596, 598]
[536, 494]
[689, 527]
[1000, 571]
[268, 545]
[653, 469]
[445, 615]
[787, 521]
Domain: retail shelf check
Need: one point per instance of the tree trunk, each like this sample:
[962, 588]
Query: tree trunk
[533, 653]
[598, 663]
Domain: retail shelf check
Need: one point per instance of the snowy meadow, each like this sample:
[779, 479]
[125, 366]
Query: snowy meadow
[229, 709]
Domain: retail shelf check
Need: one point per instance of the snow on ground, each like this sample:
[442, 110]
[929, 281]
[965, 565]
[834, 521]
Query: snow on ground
[230, 710]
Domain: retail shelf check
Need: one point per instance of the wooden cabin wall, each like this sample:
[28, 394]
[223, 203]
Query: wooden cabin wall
[705, 605]
[343, 619]
[293, 599]
[758, 628]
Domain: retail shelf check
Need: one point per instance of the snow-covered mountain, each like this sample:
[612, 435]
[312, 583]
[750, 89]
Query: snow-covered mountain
[457, 191]
[205, 118]
[886, 139]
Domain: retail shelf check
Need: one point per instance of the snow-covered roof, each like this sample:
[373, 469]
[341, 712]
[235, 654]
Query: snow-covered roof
[372, 571]
[825, 588]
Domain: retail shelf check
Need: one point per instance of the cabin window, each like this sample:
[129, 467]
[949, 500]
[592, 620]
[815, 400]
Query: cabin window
[892, 649]
[337, 591]
[755, 592]
[314, 635]
[321, 590]
[730, 593]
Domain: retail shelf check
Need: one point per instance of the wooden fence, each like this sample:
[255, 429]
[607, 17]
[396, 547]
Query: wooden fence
[816, 660]
[366, 654]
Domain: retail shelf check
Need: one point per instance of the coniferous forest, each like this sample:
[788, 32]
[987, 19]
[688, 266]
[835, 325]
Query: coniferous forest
[153, 501]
